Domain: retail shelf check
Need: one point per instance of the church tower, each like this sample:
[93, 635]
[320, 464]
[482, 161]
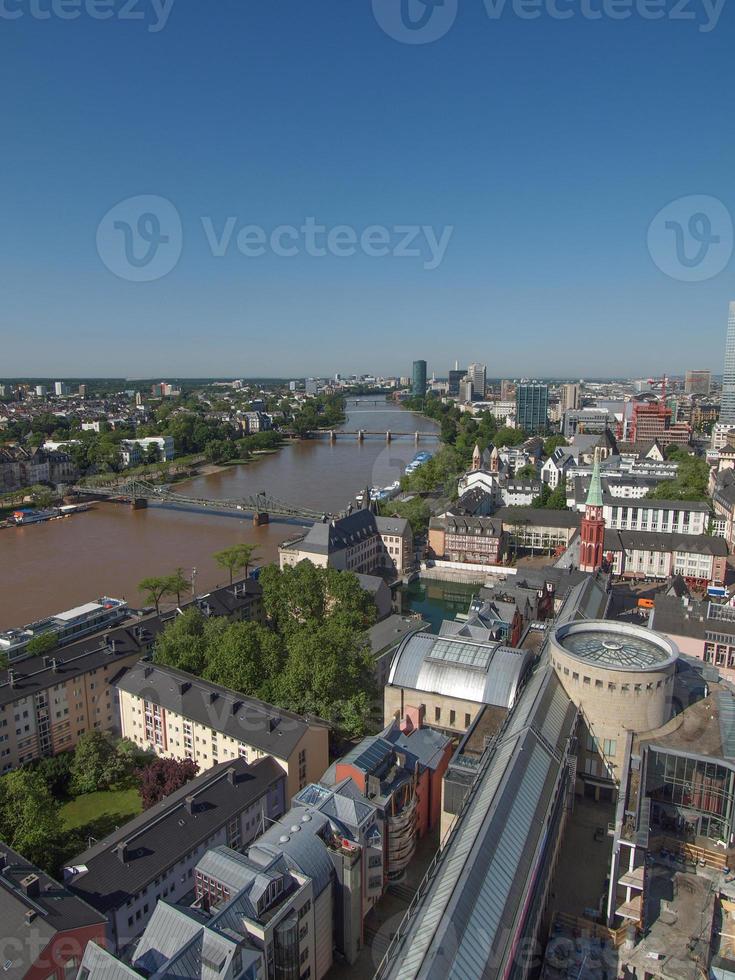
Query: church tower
[476, 458]
[592, 530]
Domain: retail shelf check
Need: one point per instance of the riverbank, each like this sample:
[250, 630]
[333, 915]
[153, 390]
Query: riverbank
[62, 564]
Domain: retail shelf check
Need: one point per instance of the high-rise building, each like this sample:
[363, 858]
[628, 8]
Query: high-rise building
[466, 390]
[82, 391]
[455, 376]
[697, 382]
[477, 373]
[61, 388]
[569, 397]
[532, 406]
[727, 405]
[506, 391]
[418, 385]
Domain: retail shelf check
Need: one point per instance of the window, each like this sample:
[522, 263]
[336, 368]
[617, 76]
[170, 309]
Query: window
[452, 717]
[467, 720]
[437, 714]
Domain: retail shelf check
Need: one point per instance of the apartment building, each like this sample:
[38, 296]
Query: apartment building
[47, 703]
[700, 559]
[669, 516]
[47, 928]
[180, 716]
[152, 857]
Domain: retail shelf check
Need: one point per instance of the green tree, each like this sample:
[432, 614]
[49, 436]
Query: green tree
[235, 558]
[690, 483]
[177, 583]
[98, 764]
[43, 643]
[154, 588]
[552, 443]
[329, 672]
[245, 657]
[42, 496]
[527, 472]
[29, 817]
[183, 644]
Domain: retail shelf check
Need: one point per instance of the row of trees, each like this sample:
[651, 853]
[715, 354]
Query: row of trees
[312, 657]
[155, 588]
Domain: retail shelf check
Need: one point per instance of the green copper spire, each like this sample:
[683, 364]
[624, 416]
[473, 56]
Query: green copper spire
[594, 495]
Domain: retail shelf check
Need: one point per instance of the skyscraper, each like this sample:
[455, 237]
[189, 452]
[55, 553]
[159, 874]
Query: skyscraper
[455, 376]
[727, 405]
[532, 406]
[569, 397]
[477, 373]
[418, 386]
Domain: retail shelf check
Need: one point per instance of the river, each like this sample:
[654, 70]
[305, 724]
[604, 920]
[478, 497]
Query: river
[46, 568]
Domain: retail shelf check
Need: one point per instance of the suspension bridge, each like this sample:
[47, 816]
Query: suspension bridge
[261, 506]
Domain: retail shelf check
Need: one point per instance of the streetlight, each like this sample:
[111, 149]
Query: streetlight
[193, 582]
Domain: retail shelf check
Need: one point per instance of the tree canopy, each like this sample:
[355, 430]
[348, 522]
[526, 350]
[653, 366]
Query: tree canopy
[690, 482]
[313, 657]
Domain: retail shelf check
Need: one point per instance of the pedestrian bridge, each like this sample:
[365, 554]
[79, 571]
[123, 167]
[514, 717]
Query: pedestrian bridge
[261, 506]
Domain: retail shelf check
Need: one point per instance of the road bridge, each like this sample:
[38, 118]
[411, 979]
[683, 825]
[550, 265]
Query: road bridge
[262, 506]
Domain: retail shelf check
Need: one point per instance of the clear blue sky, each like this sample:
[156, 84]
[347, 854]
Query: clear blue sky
[548, 145]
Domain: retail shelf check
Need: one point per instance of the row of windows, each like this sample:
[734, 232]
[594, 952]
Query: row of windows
[452, 717]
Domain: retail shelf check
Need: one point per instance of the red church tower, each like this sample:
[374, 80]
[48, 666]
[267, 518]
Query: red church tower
[592, 530]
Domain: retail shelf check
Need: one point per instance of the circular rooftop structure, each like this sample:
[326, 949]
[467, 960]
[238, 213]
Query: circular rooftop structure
[616, 646]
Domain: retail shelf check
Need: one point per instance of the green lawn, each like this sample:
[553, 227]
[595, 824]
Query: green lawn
[113, 806]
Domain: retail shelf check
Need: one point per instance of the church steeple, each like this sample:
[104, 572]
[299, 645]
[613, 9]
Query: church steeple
[592, 529]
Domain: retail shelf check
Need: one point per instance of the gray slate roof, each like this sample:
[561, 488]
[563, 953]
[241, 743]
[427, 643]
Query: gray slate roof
[157, 838]
[274, 730]
[696, 544]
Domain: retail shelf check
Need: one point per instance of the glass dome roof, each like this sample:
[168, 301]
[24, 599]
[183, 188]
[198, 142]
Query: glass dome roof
[615, 648]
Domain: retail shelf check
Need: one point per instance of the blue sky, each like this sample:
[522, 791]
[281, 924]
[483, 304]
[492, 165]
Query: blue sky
[546, 147]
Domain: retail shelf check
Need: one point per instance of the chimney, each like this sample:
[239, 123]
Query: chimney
[184, 687]
[30, 916]
[147, 672]
[31, 886]
[213, 696]
[232, 776]
[190, 804]
[236, 705]
[55, 665]
[11, 677]
[121, 850]
[112, 644]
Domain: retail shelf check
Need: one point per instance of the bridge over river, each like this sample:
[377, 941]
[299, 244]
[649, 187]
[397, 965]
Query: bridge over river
[261, 506]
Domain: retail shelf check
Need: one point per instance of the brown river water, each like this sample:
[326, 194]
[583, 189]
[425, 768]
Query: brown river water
[47, 568]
